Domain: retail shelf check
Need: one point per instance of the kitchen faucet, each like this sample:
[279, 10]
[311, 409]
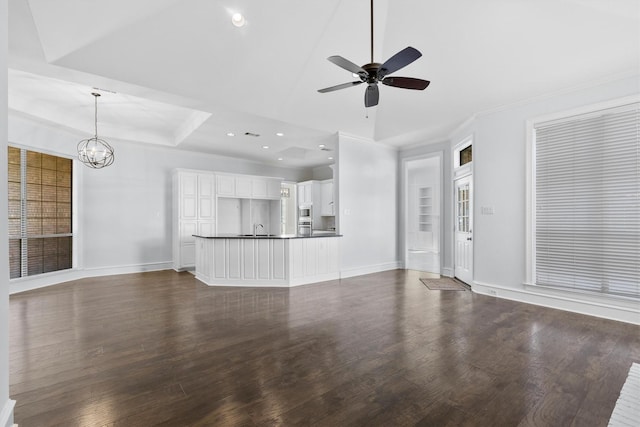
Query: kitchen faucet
[255, 228]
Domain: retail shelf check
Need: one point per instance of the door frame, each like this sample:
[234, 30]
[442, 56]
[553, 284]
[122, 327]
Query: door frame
[460, 172]
[404, 204]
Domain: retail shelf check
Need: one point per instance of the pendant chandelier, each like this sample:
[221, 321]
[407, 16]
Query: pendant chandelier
[94, 152]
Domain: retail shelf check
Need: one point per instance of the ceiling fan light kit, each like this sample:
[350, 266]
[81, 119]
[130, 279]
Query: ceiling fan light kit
[374, 72]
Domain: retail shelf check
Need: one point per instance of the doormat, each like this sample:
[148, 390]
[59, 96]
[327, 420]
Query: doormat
[444, 284]
[627, 410]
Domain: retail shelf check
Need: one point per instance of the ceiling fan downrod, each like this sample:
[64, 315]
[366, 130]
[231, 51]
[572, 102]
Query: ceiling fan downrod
[372, 31]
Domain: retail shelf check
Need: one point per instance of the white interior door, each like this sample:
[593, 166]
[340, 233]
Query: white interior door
[464, 229]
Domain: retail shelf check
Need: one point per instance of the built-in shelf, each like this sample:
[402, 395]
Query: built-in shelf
[425, 209]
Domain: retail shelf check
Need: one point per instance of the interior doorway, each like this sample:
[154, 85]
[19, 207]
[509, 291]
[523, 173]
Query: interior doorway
[423, 192]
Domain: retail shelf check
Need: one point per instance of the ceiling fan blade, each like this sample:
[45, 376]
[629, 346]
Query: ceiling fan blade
[406, 83]
[371, 95]
[338, 87]
[400, 60]
[346, 64]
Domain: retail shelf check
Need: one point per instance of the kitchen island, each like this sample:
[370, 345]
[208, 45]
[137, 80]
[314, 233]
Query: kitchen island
[266, 260]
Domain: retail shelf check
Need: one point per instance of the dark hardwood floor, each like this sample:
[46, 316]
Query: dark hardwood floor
[378, 350]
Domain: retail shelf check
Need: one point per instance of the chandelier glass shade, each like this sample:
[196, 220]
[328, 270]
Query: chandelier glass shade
[94, 152]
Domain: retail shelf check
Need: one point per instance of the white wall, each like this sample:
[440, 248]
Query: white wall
[125, 209]
[6, 405]
[367, 175]
[500, 181]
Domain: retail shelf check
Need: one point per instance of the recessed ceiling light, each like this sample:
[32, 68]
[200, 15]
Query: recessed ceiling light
[279, 134]
[330, 158]
[231, 134]
[321, 145]
[265, 147]
[238, 20]
[279, 158]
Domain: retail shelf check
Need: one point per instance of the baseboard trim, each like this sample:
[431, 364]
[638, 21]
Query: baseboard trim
[127, 269]
[590, 308]
[6, 417]
[368, 269]
[48, 279]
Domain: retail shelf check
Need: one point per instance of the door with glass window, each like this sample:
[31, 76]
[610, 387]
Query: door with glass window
[464, 229]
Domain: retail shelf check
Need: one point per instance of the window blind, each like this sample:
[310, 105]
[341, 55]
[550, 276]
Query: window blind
[40, 232]
[587, 202]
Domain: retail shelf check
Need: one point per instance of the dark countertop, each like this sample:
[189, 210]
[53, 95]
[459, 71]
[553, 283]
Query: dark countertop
[264, 236]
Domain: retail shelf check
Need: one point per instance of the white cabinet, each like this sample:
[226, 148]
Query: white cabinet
[266, 262]
[265, 188]
[326, 198]
[258, 188]
[243, 186]
[305, 193]
[248, 187]
[194, 213]
[199, 195]
[206, 197]
[273, 188]
[226, 185]
[234, 186]
[309, 194]
[188, 197]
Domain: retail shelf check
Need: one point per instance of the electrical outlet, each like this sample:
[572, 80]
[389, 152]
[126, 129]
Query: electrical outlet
[492, 292]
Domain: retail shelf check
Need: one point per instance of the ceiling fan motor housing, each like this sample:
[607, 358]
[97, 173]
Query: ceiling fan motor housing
[372, 72]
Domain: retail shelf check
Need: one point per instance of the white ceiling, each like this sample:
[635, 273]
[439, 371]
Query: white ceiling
[184, 76]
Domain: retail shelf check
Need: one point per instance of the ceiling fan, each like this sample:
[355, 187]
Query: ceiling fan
[374, 73]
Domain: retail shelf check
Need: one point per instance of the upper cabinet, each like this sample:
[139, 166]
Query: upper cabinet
[273, 188]
[206, 196]
[196, 195]
[226, 185]
[326, 198]
[309, 194]
[248, 187]
[243, 187]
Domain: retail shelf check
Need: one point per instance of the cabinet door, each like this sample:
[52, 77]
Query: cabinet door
[273, 188]
[188, 195]
[206, 196]
[187, 230]
[203, 258]
[187, 255]
[243, 187]
[304, 194]
[258, 188]
[206, 228]
[226, 185]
